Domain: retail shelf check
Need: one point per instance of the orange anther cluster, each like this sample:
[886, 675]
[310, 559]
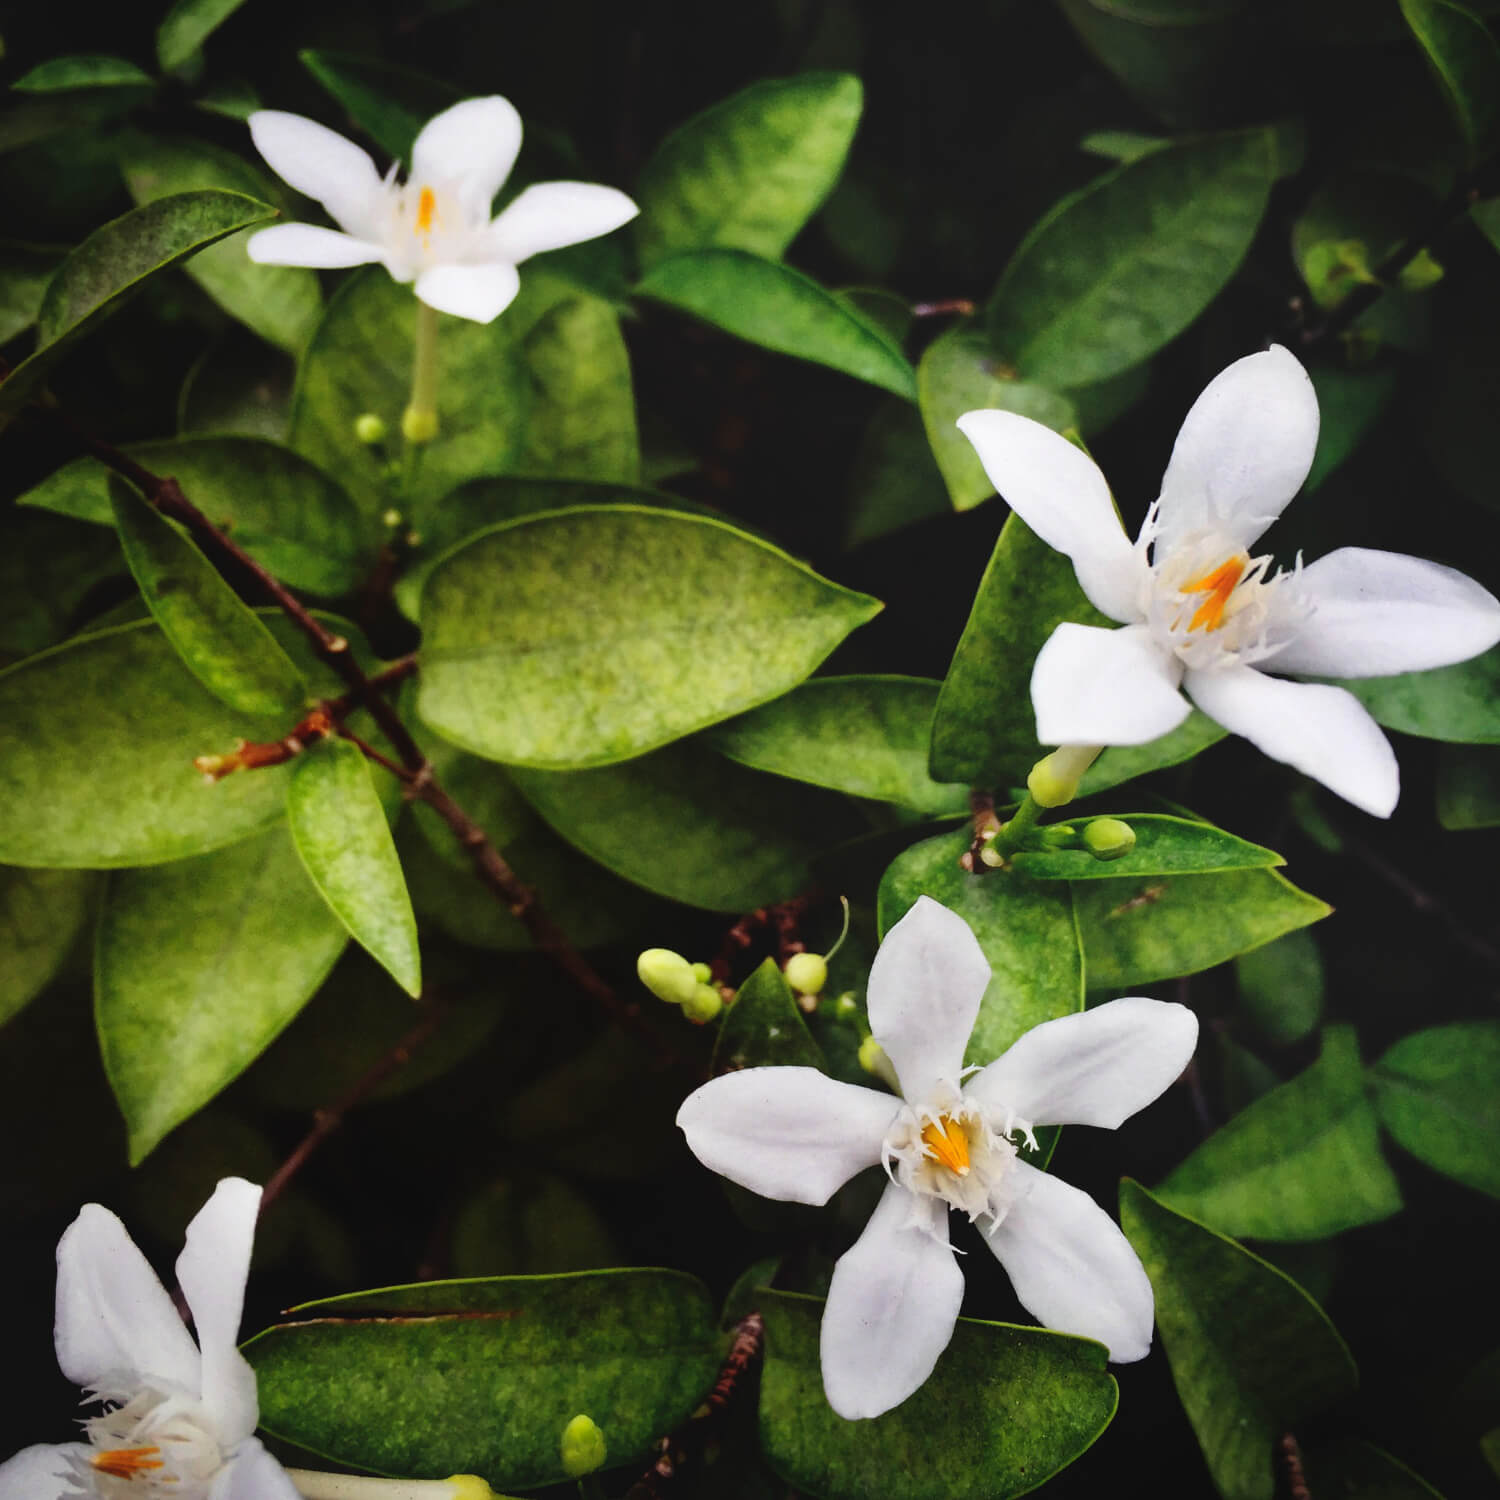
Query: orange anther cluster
[946, 1141]
[426, 210]
[127, 1463]
[1218, 585]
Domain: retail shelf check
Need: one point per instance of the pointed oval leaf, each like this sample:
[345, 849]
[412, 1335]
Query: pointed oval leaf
[1466, 62]
[80, 71]
[340, 831]
[587, 636]
[1281, 987]
[199, 965]
[780, 309]
[749, 171]
[186, 27]
[763, 1028]
[388, 102]
[1004, 1410]
[1163, 846]
[41, 912]
[481, 1376]
[1459, 704]
[223, 643]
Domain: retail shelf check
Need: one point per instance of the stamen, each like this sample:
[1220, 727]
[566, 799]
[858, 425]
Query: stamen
[127, 1463]
[1218, 585]
[946, 1142]
[426, 211]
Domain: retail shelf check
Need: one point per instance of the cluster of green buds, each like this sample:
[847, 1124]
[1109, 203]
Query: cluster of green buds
[670, 977]
[1104, 838]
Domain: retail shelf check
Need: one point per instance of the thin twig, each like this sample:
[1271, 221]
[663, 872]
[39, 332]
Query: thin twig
[1290, 1453]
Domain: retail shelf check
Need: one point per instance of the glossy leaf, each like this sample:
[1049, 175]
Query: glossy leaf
[41, 913]
[1122, 763]
[1026, 929]
[1438, 1093]
[388, 102]
[780, 309]
[1163, 846]
[1468, 787]
[199, 964]
[223, 643]
[1301, 1163]
[341, 833]
[763, 1027]
[750, 171]
[1466, 62]
[113, 263]
[1116, 271]
[186, 27]
[1460, 704]
[1252, 1354]
[867, 736]
[409, 1381]
[1281, 987]
[1004, 1410]
[1141, 930]
[646, 650]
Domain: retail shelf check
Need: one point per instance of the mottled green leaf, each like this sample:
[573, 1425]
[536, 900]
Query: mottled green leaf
[1004, 1410]
[1281, 987]
[1252, 1354]
[1120, 268]
[1468, 786]
[1438, 1093]
[750, 171]
[186, 27]
[480, 1377]
[1460, 704]
[41, 912]
[1466, 62]
[48, 568]
[780, 309]
[763, 1028]
[199, 964]
[1301, 1163]
[1163, 846]
[388, 102]
[1122, 763]
[25, 271]
[586, 636]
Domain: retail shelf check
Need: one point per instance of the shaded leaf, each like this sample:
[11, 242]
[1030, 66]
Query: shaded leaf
[186, 27]
[529, 1226]
[81, 71]
[1281, 987]
[894, 481]
[41, 913]
[1163, 846]
[1122, 763]
[1352, 1467]
[388, 102]
[763, 1028]
[1468, 787]
[1350, 402]
[25, 271]
[48, 568]
[1466, 62]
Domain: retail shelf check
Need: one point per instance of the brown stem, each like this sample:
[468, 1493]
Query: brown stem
[1290, 1453]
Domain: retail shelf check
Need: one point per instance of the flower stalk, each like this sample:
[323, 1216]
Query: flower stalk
[313, 1484]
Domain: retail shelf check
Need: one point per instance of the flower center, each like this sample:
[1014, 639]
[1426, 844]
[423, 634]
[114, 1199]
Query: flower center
[1219, 584]
[148, 1442]
[426, 211]
[126, 1463]
[946, 1142]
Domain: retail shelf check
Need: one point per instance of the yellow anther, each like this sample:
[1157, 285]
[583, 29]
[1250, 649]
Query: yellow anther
[426, 210]
[946, 1141]
[1218, 585]
[127, 1463]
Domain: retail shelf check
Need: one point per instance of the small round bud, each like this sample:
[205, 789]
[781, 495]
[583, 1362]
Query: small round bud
[369, 429]
[669, 976]
[703, 1005]
[846, 1007]
[469, 1487]
[807, 973]
[391, 518]
[702, 973]
[872, 1059]
[419, 424]
[582, 1448]
[1108, 838]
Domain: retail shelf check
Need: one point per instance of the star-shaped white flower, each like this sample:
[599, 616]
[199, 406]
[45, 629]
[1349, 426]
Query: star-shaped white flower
[177, 1418]
[1201, 613]
[798, 1135]
[436, 227]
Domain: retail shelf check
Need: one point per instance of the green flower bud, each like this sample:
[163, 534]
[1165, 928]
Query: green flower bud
[872, 1059]
[369, 429]
[1054, 779]
[702, 973]
[846, 1007]
[582, 1447]
[807, 973]
[1108, 838]
[669, 976]
[469, 1487]
[703, 1005]
[419, 424]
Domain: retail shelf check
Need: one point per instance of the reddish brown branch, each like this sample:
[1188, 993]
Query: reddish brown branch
[1290, 1453]
[784, 918]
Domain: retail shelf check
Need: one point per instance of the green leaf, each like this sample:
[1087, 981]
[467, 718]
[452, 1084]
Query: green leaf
[480, 1377]
[1117, 270]
[1163, 846]
[25, 271]
[1004, 1410]
[894, 481]
[1301, 1163]
[1122, 763]
[984, 731]
[186, 27]
[1141, 930]
[749, 172]
[280, 303]
[957, 374]
[1352, 1467]
[763, 1027]
[48, 568]
[1468, 787]
[1438, 1093]
[199, 964]
[241, 387]
[863, 735]
[288, 515]
[587, 636]
[530, 1225]
[389, 103]
[340, 831]
[41, 912]
[84, 71]
[1252, 1354]
[1466, 62]
[1026, 929]
[1460, 704]
[1281, 987]
[1350, 403]
[223, 643]
[689, 825]
[113, 263]
[780, 309]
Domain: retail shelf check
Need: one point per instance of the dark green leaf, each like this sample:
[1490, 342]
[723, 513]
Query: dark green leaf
[41, 912]
[48, 566]
[239, 387]
[1301, 1163]
[480, 1377]
[25, 271]
[749, 172]
[780, 309]
[763, 1027]
[1281, 987]
[1004, 1410]
[1251, 1353]
[1122, 763]
[1460, 704]
[1355, 1468]
[1466, 62]
[186, 27]
[85, 71]
[529, 1226]
[1350, 403]
[894, 481]
[1468, 786]
[389, 103]
[1163, 846]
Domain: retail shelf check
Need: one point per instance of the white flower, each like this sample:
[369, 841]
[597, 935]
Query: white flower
[796, 1134]
[1200, 612]
[176, 1417]
[435, 228]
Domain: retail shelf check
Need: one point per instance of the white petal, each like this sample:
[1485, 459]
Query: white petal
[788, 1133]
[212, 1271]
[1072, 1267]
[1242, 453]
[252, 1474]
[1094, 1068]
[319, 162]
[37, 1472]
[113, 1316]
[1092, 686]
[553, 214]
[308, 245]
[1323, 731]
[1058, 491]
[479, 293]
[924, 992]
[475, 140]
[1378, 613]
[891, 1307]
